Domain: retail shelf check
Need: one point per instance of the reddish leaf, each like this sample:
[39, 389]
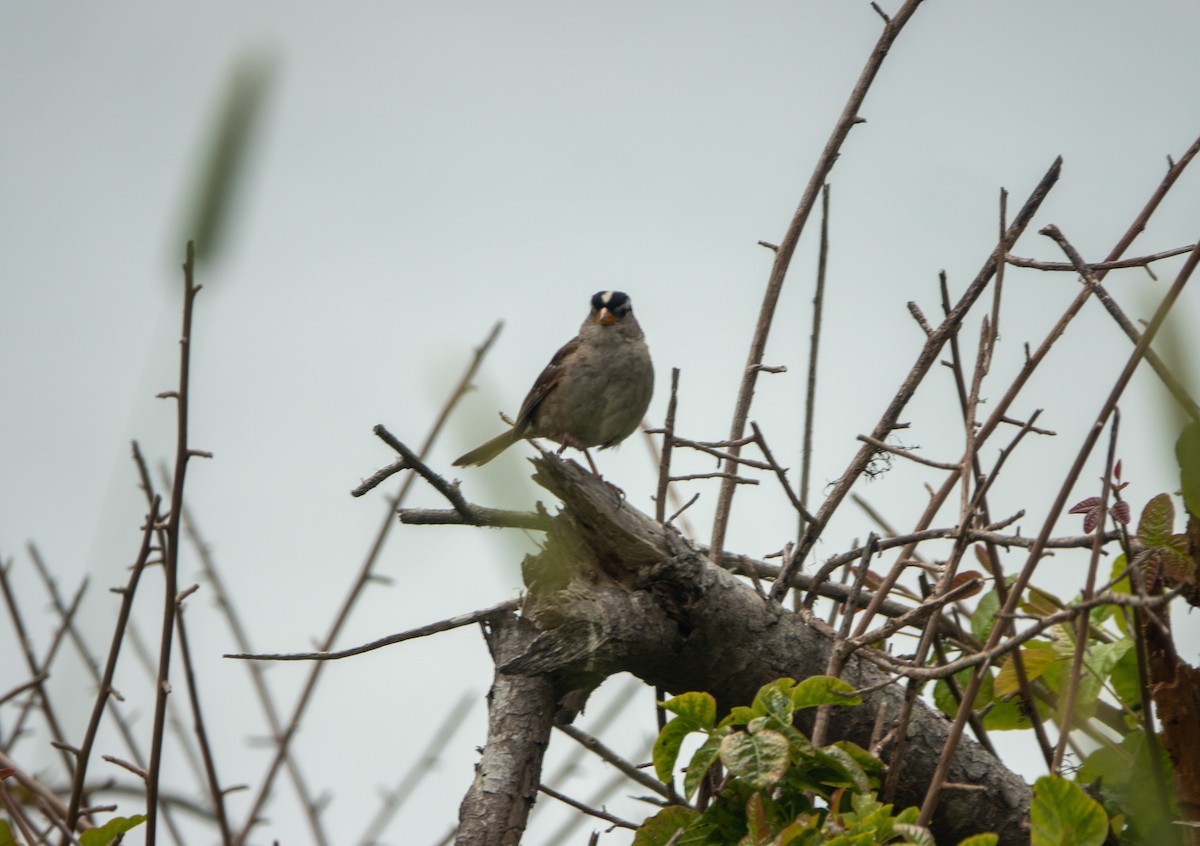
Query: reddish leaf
[968, 576]
[1091, 511]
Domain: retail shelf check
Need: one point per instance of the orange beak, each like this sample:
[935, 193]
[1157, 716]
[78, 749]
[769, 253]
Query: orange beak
[606, 317]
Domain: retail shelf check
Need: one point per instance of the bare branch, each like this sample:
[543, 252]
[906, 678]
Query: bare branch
[783, 255]
[459, 621]
[1141, 261]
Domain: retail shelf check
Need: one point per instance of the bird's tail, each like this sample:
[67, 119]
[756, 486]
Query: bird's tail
[485, 453]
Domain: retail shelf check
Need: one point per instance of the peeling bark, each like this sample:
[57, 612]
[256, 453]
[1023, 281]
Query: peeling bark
[614, 591]
[520, 717]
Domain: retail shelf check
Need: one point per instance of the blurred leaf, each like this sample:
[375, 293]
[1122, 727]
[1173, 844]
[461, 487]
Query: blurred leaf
[987, 839]
[985, 615]
[1187, 453]
[1003, 714]
[1126, 780]
[916, 834]
[1040, 602]
[1036, 656]
[962, 578]
[6, 835]
[217, 178]
[110, 831]
[1063, 815]
[1124, 678]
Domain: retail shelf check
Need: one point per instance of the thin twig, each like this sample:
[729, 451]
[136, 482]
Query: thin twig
[595, 812]
[783, 255]
[780, 472]
[266, 701]
[36, 670]
[361, 580]
[1033, 359]
[459, 621]
[907, 452]
[1141, 261]
[593, 744]
[1178, 391]
[1083, 624]
[110, 667]
[65, 626]
[480, 516]
[162, 687]
[664, 462]
[1018, 587]
[814, 349]
[216, 794]
[925, 360]
[419, 768]
[448, 490]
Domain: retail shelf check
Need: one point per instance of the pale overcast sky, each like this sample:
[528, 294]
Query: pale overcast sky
[424, 170]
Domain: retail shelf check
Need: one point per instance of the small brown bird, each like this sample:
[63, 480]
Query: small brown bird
[595, 390]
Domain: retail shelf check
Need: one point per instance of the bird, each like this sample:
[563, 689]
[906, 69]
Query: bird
[593, 393]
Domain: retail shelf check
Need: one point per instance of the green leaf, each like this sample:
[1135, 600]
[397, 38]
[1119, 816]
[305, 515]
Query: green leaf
[987, 839]
[1037, 655]
[1100, 660]
[1040, 602]
[985, 615]
[1187, 453]
[701, 761]
[1124, 677]
[774, 699]
[110, 831]
[1003, 715]
[916, 834]
[666, 748]
[823, 690]
[843, 762]
[6, 835]
[756, 819]
[1120, 565]
[1063, 815]
[660, 828]
[740, 715]
[761, 759]
[700, 709]
[1157, 521]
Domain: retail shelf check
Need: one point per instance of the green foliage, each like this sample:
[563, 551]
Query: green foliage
[1187, 453]
[987, 839]
[1003, 713]
[1063, 815]
[780, 790]
[111, 831]
[1126, 780]
[6, 835]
